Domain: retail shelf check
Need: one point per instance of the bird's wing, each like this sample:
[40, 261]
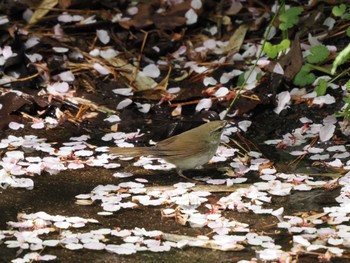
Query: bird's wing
[183, 148]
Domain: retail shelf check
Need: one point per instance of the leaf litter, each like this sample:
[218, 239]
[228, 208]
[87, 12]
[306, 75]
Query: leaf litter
[49, 98]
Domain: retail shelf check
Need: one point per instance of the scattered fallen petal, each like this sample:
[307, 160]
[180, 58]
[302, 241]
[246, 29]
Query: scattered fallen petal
[101, 69]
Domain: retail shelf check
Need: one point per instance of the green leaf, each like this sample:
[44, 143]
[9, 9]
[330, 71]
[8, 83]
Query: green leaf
[270, 50]
[318, 54]
[290, 17]
[273, 50]
[348, 31]
[284, 45]
[321, 87]
[304, 77]
[341, 58]
[339, 10]
[347, 85]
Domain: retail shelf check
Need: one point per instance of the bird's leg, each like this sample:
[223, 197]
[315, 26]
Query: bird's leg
[179, 172]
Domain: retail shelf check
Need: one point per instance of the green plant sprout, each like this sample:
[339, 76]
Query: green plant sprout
[342, 57]
[339, 10]
[321, 87]
[318, 54]
[304, 76]
[313, 62]
[256, 61]
[273, 50]
[290, 18]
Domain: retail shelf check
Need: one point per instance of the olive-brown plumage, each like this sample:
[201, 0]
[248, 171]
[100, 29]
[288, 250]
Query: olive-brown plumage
[187, 150]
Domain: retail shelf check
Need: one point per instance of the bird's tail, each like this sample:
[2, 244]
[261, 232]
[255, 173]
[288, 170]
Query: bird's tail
[131, 151]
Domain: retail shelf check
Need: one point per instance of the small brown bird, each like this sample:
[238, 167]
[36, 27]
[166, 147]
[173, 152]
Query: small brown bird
[187, 150]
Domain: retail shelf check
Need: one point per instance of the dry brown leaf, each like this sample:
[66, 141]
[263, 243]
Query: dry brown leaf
[236, 40]
[167, 20]
[44, 7]
[67, 3]
[174, 17]
[142, 18]
[89, 104]
[291, 62]
[163, 85]
[130, 72]
[315, 216]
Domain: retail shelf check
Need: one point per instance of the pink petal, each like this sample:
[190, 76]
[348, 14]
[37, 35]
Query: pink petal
[191, 17]
[204, 104]
[151, 70]
[15, 125]
[326, 132]
[103, 36]
[101, 69]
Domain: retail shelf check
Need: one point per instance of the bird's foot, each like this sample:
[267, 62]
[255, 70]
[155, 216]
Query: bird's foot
[179, 172]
